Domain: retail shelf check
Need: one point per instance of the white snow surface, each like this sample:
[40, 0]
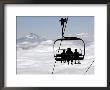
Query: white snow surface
[39, 59]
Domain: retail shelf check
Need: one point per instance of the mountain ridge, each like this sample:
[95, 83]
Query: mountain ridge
[30, 38]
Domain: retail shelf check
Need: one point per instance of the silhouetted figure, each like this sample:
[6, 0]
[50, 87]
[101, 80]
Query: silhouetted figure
[76, 56]
[69, 56]
[63, 21]
[63, 58]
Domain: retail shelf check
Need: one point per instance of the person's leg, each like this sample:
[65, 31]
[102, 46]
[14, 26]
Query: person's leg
[72, 62]
[68, 62]
[75, 61]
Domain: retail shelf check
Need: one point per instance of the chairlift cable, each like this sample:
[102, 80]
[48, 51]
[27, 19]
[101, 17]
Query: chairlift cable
[53, 68]
[89, 67]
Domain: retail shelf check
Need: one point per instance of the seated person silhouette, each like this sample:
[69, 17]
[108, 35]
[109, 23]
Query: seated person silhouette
[69, 55]
[63, 56]
[76, 56]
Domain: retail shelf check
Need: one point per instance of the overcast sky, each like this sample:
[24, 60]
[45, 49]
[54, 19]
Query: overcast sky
[50, 28]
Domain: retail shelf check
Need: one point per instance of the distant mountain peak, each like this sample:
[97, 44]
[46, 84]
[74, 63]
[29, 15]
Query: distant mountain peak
[31, 38]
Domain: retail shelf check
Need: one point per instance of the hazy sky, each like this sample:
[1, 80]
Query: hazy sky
[50, 28]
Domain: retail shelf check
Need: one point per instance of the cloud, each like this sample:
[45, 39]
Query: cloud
[82, 34]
